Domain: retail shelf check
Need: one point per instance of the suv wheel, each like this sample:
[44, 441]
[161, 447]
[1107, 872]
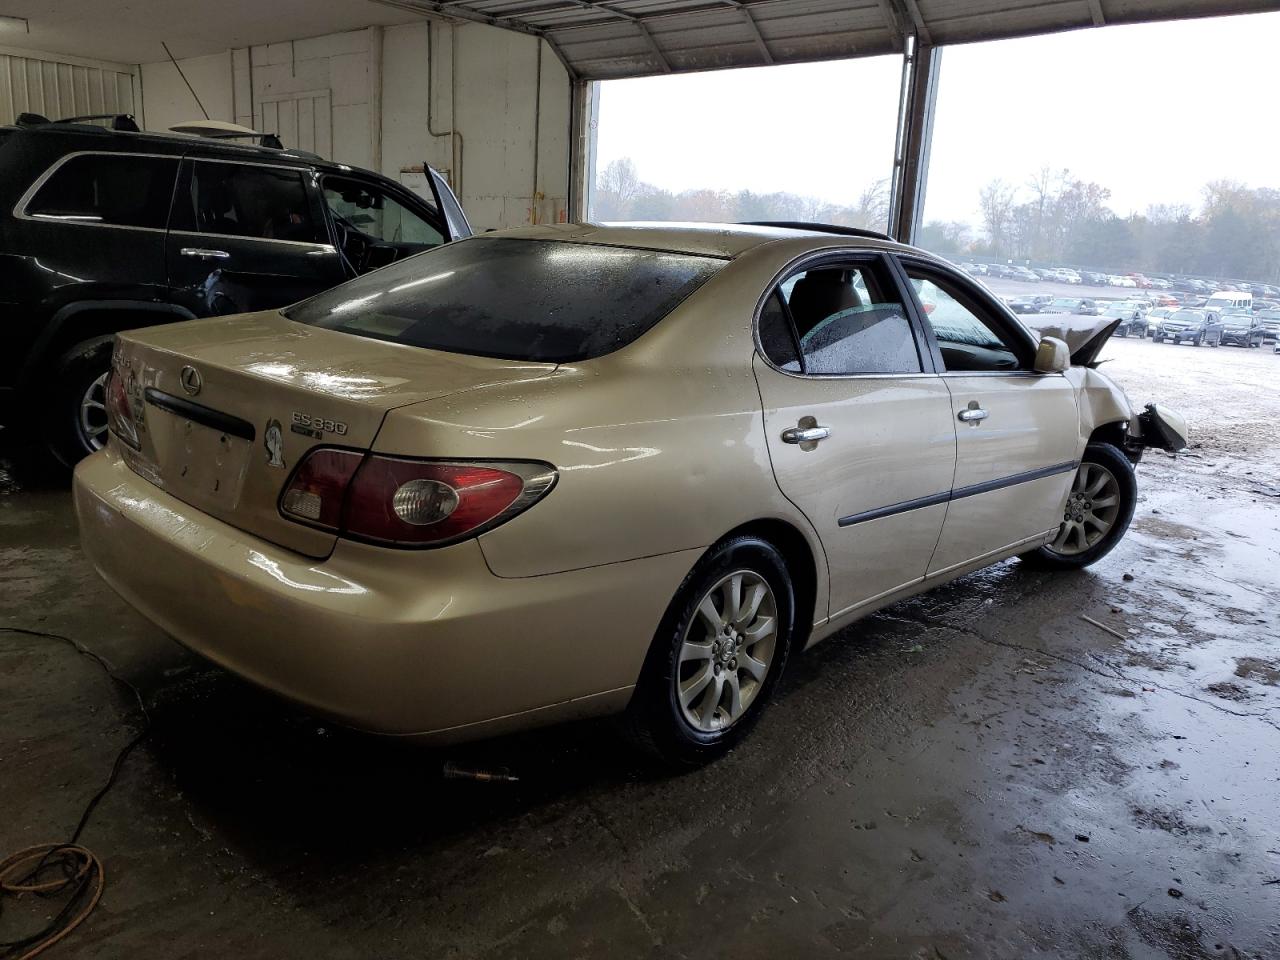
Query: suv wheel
[76, 419]
[1097, 512]
[717, 656]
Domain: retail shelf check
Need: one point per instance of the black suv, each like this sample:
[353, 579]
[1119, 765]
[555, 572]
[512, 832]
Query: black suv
[103, 230]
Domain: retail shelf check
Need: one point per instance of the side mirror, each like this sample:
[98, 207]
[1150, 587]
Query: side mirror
[1052, 356]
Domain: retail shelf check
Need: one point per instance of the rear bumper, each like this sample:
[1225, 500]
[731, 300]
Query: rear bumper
[401, 642]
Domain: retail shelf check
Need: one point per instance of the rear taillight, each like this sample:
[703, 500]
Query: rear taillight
[120, 418]
[319, 487]
[411, 503]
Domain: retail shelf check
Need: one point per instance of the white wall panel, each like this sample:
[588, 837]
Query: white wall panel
[58, 89]
[321, 94]
[166, 99]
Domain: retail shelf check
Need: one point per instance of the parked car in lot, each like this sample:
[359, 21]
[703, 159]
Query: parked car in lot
[1023, 273]
[1157, 316]
[1131, 315]
[1023, 304]
[1115, 280]
[1094, 279]
[745, 439]
[1242, 328]
[1270, 319]
[1193, 326]
[972, 269]
[1225, 301]
[105, 230]
[1081, 306]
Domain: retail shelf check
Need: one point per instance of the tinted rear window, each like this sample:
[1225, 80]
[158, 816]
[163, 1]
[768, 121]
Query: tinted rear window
[538, 300]
[118, 189]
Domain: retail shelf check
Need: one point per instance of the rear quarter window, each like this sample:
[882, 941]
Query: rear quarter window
[117, 189]
[535, 300]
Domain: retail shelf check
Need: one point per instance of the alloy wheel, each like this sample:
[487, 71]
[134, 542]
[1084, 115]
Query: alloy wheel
[93, 414]
[727, 650]
[1091, 510]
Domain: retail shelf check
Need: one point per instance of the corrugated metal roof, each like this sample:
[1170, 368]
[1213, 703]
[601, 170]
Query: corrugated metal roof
[606, 39]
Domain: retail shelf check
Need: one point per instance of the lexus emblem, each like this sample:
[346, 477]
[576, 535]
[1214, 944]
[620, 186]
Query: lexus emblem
[191, 381]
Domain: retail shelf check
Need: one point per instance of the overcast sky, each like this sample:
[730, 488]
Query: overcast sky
[1152, 111]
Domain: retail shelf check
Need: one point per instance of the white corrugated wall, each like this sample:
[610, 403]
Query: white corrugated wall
[57, 89]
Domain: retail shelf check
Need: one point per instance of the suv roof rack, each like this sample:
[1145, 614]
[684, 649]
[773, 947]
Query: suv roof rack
[119, 121]
[821, 228]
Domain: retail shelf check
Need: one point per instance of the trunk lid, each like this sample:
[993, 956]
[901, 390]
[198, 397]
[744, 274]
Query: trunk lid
[228, 407]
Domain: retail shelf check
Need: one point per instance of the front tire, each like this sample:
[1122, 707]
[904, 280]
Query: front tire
[1097, 513]
[717, 656]
[75, 423]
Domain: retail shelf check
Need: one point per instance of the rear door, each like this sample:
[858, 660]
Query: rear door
[1017, 431]
[858, 424]
[247, 236]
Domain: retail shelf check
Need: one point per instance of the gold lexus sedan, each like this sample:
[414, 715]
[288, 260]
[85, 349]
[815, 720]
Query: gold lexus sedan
[573, 470]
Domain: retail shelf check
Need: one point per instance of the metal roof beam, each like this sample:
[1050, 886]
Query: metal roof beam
[893, 16]
[749, 19]
[514, 17]
[922, 29]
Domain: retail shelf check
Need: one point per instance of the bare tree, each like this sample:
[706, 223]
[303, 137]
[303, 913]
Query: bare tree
[996, 201]
[617, 186]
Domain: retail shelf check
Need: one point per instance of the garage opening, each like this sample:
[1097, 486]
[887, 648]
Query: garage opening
[811, 142]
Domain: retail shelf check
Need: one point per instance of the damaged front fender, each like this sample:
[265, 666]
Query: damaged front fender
[1106, 409]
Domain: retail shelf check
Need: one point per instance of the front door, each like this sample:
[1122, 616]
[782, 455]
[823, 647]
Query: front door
[247, 236]
[1017, 431]
[859, 426]
[375, 224]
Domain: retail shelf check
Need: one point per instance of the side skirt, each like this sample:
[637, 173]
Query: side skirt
[867, 607]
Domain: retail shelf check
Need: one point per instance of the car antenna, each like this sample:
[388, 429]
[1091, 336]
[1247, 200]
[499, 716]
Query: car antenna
[185, 80]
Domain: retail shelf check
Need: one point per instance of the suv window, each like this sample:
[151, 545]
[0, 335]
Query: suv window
[967, 339]
[537, 300]
[123, 190]
[838, 319]
[243, 200]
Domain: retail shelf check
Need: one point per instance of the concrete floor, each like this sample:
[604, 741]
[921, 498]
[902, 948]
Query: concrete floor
[975, 773]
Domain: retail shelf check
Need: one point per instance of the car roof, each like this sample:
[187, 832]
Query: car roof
[88, 136]
[724, 240]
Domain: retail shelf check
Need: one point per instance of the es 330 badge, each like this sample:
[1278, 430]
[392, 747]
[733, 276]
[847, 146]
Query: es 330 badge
[316, 427]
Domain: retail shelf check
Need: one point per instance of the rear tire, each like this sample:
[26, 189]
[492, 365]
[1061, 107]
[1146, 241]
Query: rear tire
[1097, 513]
[708, 675]
[75, 424]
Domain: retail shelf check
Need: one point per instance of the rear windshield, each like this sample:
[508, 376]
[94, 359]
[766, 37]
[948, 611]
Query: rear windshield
[537, 300]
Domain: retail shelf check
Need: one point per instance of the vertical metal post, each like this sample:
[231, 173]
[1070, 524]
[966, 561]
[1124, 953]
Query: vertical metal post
[583, 117]
[921, 63]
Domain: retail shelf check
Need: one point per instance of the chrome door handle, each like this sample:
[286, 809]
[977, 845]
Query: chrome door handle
[805, 434]
[204, 254]
[972, 413]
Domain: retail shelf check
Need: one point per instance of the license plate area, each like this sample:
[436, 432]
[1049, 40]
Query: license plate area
[198, 464]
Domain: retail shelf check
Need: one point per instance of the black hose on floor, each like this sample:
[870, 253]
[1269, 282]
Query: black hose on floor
[63, 869]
